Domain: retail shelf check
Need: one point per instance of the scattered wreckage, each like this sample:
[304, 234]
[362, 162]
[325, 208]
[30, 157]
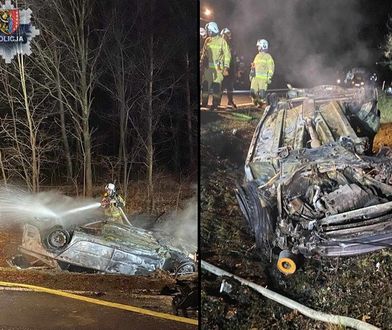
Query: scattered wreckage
[104, 247]
[312, 186]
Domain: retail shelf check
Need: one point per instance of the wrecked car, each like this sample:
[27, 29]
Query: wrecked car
[312, 186]
[104, 247]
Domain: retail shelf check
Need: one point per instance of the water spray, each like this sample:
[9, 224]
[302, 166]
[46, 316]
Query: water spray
[19, 206]
[83, 208]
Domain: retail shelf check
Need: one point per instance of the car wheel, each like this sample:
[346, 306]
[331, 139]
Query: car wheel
[56, 239]
[186, 267]
[259, 217]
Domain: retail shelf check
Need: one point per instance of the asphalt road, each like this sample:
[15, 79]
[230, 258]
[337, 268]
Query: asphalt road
[33, 310]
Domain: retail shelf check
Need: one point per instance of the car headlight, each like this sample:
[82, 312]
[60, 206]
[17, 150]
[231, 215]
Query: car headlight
[362, 83]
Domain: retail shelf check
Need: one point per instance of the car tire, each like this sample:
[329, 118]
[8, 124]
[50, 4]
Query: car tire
[260, 218]
[56, 239]
[185, 267]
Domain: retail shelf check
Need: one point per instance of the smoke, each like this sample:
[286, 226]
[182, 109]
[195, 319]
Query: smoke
[182, 225]
[311, 40]
[19, 206]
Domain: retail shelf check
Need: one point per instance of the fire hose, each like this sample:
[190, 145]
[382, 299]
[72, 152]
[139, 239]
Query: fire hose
[124, 216]
[105, 203]
[309, 312]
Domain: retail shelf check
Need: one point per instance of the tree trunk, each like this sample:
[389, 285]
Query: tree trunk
[86, 138]
[150, 147]
[63, 128]
[32, 136]
[2, 169]
[87, 158]
[123, 150]
[189, 111]
[85, 105]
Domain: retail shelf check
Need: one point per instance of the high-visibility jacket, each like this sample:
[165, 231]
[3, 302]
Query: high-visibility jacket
[264, 66]
[217, 52]
[112, 206]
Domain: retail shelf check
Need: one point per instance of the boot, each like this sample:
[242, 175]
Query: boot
[230, 103]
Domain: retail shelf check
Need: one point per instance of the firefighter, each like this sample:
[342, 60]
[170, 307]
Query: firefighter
[216, 55]
[203, 37]
[228, 81]
[261, 73]
[113, 203]
[203, 58]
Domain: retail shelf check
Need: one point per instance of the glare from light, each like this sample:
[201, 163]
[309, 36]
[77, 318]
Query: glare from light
[207, 12]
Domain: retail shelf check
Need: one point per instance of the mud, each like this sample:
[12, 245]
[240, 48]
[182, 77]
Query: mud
[345, 286]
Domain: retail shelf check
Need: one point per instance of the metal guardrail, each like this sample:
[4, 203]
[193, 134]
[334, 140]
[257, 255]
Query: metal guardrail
[247, 91]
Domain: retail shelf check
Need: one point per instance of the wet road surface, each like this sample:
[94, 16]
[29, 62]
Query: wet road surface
[33, 310]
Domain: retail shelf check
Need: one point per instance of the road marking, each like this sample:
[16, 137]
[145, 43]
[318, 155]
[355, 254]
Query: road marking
[102, 302]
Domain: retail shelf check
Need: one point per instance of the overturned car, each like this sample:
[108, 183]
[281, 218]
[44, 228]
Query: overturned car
[312, 186]
[104, 247]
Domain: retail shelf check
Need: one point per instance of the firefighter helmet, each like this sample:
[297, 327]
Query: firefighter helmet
[212, 28]
[110, 188]
[226, 33]
[262, 44]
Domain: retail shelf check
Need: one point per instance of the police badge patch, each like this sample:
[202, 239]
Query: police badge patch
[16, 31]
[9, 21]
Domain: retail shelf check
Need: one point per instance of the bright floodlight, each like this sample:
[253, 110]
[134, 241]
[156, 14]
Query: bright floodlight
[207, 12]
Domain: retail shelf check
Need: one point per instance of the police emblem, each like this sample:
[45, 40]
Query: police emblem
[9, 21]
[16, 31]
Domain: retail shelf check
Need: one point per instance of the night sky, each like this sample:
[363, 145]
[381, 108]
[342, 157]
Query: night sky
[312, 41]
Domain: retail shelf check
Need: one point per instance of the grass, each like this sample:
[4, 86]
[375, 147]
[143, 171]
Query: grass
[385, 107]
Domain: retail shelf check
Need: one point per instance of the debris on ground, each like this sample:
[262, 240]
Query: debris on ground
[339, 285]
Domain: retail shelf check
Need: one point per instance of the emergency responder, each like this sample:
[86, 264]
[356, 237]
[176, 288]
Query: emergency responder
[216, 54]
[203, 58]
[113, 203]
[228, 81]
[203, 37]
[261, 73]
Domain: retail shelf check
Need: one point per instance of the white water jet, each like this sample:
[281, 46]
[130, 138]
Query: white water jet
[19, 206]
[83, 208]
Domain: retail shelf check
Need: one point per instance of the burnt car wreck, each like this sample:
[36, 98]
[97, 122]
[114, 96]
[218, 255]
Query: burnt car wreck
[103, 247]
[312, 186]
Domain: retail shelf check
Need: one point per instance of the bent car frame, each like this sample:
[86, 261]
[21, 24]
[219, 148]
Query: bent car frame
[106, 248]
[312, 185]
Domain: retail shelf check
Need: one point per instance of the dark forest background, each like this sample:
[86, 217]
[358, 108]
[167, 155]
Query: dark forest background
[109, 93]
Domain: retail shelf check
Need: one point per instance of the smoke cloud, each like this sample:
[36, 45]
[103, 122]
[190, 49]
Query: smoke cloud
[182, 225]
[311, 40]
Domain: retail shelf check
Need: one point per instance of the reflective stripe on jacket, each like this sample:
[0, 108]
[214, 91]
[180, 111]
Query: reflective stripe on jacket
[264, 65]
[217, 52]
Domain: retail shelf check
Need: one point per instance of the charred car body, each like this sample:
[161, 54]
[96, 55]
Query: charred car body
[312, 187]
[358, 77]
[104, 247]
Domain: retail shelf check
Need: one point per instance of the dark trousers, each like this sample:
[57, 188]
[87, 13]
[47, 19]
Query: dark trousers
[228, 84]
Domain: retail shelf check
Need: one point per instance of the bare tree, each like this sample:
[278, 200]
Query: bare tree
[73, 36]
[25, 142]
[119, 60]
